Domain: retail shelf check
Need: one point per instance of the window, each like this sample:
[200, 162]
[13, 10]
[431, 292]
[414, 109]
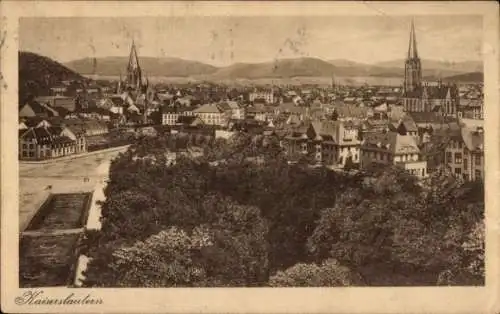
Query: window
[448, 157]
[465, 163]
[25, 146]
[458, 158]
[477, 174]
[458, 170]
[478, 160]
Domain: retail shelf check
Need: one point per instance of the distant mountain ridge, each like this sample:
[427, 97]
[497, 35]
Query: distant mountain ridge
[150, 66]
[281, 68]
[472, 77]
[463, 66]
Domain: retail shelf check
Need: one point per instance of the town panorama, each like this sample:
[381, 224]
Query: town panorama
[278, 179]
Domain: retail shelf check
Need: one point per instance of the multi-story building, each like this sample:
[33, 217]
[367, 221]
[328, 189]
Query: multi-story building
[234, 109]
[392, 148]
[49, 142]
[471, 109]
[170, 115]
[333, 143]
[267, 96]
[464, 154]
[36, 109]
[68, 103]
[260, 113]
[86, 127]
[423, 97]
[212, 114]
[405, 126]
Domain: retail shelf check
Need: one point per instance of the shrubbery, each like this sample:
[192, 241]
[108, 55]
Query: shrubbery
[241, 215]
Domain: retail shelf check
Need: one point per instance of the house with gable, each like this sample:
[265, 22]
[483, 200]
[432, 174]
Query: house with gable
[392, 148]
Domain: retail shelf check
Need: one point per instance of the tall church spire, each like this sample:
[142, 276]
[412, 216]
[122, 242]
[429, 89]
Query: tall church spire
[413, 68]
[412, 47]
[133, 61]
[134, 75]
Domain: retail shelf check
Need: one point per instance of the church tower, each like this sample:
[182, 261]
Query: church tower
[413, 68]
[134, 74]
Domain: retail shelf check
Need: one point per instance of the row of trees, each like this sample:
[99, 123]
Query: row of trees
[241, 215]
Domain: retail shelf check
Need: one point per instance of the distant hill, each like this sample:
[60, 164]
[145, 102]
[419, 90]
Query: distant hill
[283, 68]
[38, 73]
[434, 65]
[114, 66]
[472, 77]
[431, 69]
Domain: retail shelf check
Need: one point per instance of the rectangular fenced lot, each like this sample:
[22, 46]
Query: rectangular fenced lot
[62, 211]
[47, 260]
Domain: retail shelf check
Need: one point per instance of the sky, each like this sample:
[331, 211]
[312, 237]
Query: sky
[226, 40]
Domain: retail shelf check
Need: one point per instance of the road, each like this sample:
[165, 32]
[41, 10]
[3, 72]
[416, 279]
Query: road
[65, 176]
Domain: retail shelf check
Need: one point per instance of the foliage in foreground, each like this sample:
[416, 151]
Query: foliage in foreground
[240, 215]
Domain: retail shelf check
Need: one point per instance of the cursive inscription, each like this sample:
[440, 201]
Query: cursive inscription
[36, 297]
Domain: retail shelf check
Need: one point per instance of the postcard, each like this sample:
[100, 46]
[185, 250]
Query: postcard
[250, 157]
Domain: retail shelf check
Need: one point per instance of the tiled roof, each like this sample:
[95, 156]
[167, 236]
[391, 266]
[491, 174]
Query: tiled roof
[434, 91]
[286, 106]
[208, 108]
[473, 139]
[50, 98]
[233, 104]
[224, 106]
[39, 108]
[352, 111]
[409, 124]
[391, 142]
[426, 117]
[326, 130]
[118, 101]
[34, 121]
[471, 102]
[46, 135]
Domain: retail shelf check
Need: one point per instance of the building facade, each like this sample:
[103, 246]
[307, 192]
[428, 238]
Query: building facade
[392, 148]
[49, 142]
[332, 143]
[212, 114]
[464, 154]
[267, 96]
[171, 115]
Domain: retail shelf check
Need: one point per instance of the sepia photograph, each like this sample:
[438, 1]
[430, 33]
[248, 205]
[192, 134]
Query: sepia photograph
[249, 151]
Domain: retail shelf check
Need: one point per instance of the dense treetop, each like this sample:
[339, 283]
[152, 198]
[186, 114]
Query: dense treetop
[238, 214]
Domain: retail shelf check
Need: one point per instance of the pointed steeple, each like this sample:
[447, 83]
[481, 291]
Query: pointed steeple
[413, 68]
[412, 47]
[133, 61]
[134, 75]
